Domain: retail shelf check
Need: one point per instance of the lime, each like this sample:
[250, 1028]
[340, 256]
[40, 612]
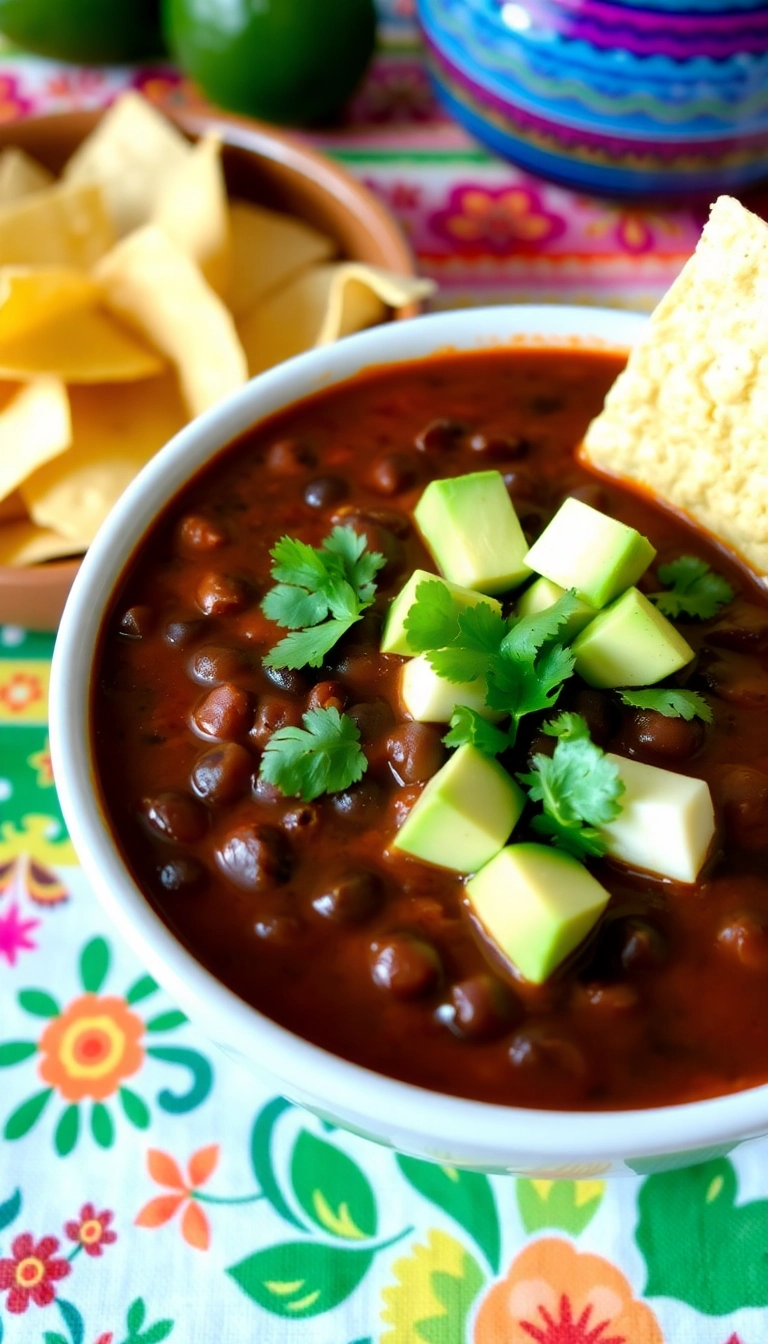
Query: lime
[289, 61]
[93, 32]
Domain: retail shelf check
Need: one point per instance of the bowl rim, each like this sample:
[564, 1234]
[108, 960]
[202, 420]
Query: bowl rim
[436, 1120]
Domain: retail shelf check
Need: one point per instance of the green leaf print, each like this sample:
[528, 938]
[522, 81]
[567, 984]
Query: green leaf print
[699, 1246]
[569, 1205]
[26, 1115]
[13, 1052]
[102, 1125]
[67, 1131]
[135, 1320]
[72, 1319]
[261, 1158]
[167, 1021]
[10, 1209]
[455, 1296]
[94, 964]
[465, 1195]
[37, 1002]
[301, 1278]
[135, 1109]
[53, 1337]
[136, 1315]
[332, 1189]
[141, 989]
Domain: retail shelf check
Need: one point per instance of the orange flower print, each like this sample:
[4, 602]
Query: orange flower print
[20, 691]
[91, 1048]
[40, 761]
[164, 1170]
[479, 221]
[554, 1294]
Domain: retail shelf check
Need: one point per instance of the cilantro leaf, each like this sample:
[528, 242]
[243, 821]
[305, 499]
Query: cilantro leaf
[529, 633]
[324, 756]
[673, 704]
[481, 631]
[578, 788]
[433, 619]
[319, 593]
[467, 726]
[694, 589]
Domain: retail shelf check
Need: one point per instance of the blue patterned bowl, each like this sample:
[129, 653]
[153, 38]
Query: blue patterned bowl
[662, 97]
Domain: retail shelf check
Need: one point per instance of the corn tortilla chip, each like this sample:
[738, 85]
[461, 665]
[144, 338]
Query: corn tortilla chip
[22, 543]
[192, 211]
[156, 288]
[31, 296]
[268, 249]
[64, 225]
[35, 426]
[81, 347]
[13, 509]
[115, 431]
[687, 419]
[320, 305]
[21, 175]
[131, 155]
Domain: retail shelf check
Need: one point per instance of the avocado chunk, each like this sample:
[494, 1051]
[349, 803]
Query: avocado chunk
[666, 823]
[471, 528]
[429, 698]
[536, 904]
[395, 637]
[465, 814]
[584, 549]
[544, 593]
[630, 643]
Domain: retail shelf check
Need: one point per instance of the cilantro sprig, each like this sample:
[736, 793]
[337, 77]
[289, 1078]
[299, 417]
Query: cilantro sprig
[324, 756]
[670, 702]
[522, 664]
[320, 592]
[578, 787]
[467, 726]
[692, 589]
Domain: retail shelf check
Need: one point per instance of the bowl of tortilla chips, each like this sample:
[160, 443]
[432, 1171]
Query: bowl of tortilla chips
[149, 266]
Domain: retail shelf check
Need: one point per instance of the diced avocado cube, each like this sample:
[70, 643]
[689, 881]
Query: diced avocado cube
[584, 549]
[666, 823]
[470, 526]
[395, 638]
[629, 644]
[536, 904]
[465, 814]
[544, 593]
[429, 698]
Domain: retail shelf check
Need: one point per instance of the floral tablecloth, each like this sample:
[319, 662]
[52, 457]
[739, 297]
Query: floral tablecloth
[149, 1189]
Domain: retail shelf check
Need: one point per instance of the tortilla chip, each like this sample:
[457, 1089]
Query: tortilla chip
[687, 419]
[34, 427]
[81, 347]
[130, 155]
[64, 225]
[115, 431]
[23, 543]
[192, 211]
[21, 175]
[156, 288]
[31, 296]
[13, 509]
[268, 249]
[320, 305]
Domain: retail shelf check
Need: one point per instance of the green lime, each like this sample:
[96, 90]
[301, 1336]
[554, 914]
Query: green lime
[289, 61]
[93, 32]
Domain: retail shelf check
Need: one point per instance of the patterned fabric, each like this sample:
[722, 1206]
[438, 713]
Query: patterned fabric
[151, 1190]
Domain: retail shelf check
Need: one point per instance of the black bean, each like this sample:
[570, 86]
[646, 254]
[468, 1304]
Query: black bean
[255, 856]
[415, 752]
[646, 732]
[495, 446]
[136, 622]
[289, 457]
[324, 491]
[480, 1008]
[182, 633]
[221, 594]
[196, 533]
[540, 1046]
[183, 874]
[439, 436]
[175, 816]
[361, 803]
[394, 474]
[640, 946]
[327, 695]
[741, 793]
[405, 967]
[302, 822]
[350, 898]
[288, 679]
[745, 938]
[373, 717]
[223, 773]
[273, 712]
[226, 712]
[214, 664]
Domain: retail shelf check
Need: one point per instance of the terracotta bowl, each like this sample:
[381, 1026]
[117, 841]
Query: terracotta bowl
[261, 165]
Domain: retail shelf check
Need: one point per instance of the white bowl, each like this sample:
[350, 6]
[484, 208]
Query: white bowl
[449, 1130]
